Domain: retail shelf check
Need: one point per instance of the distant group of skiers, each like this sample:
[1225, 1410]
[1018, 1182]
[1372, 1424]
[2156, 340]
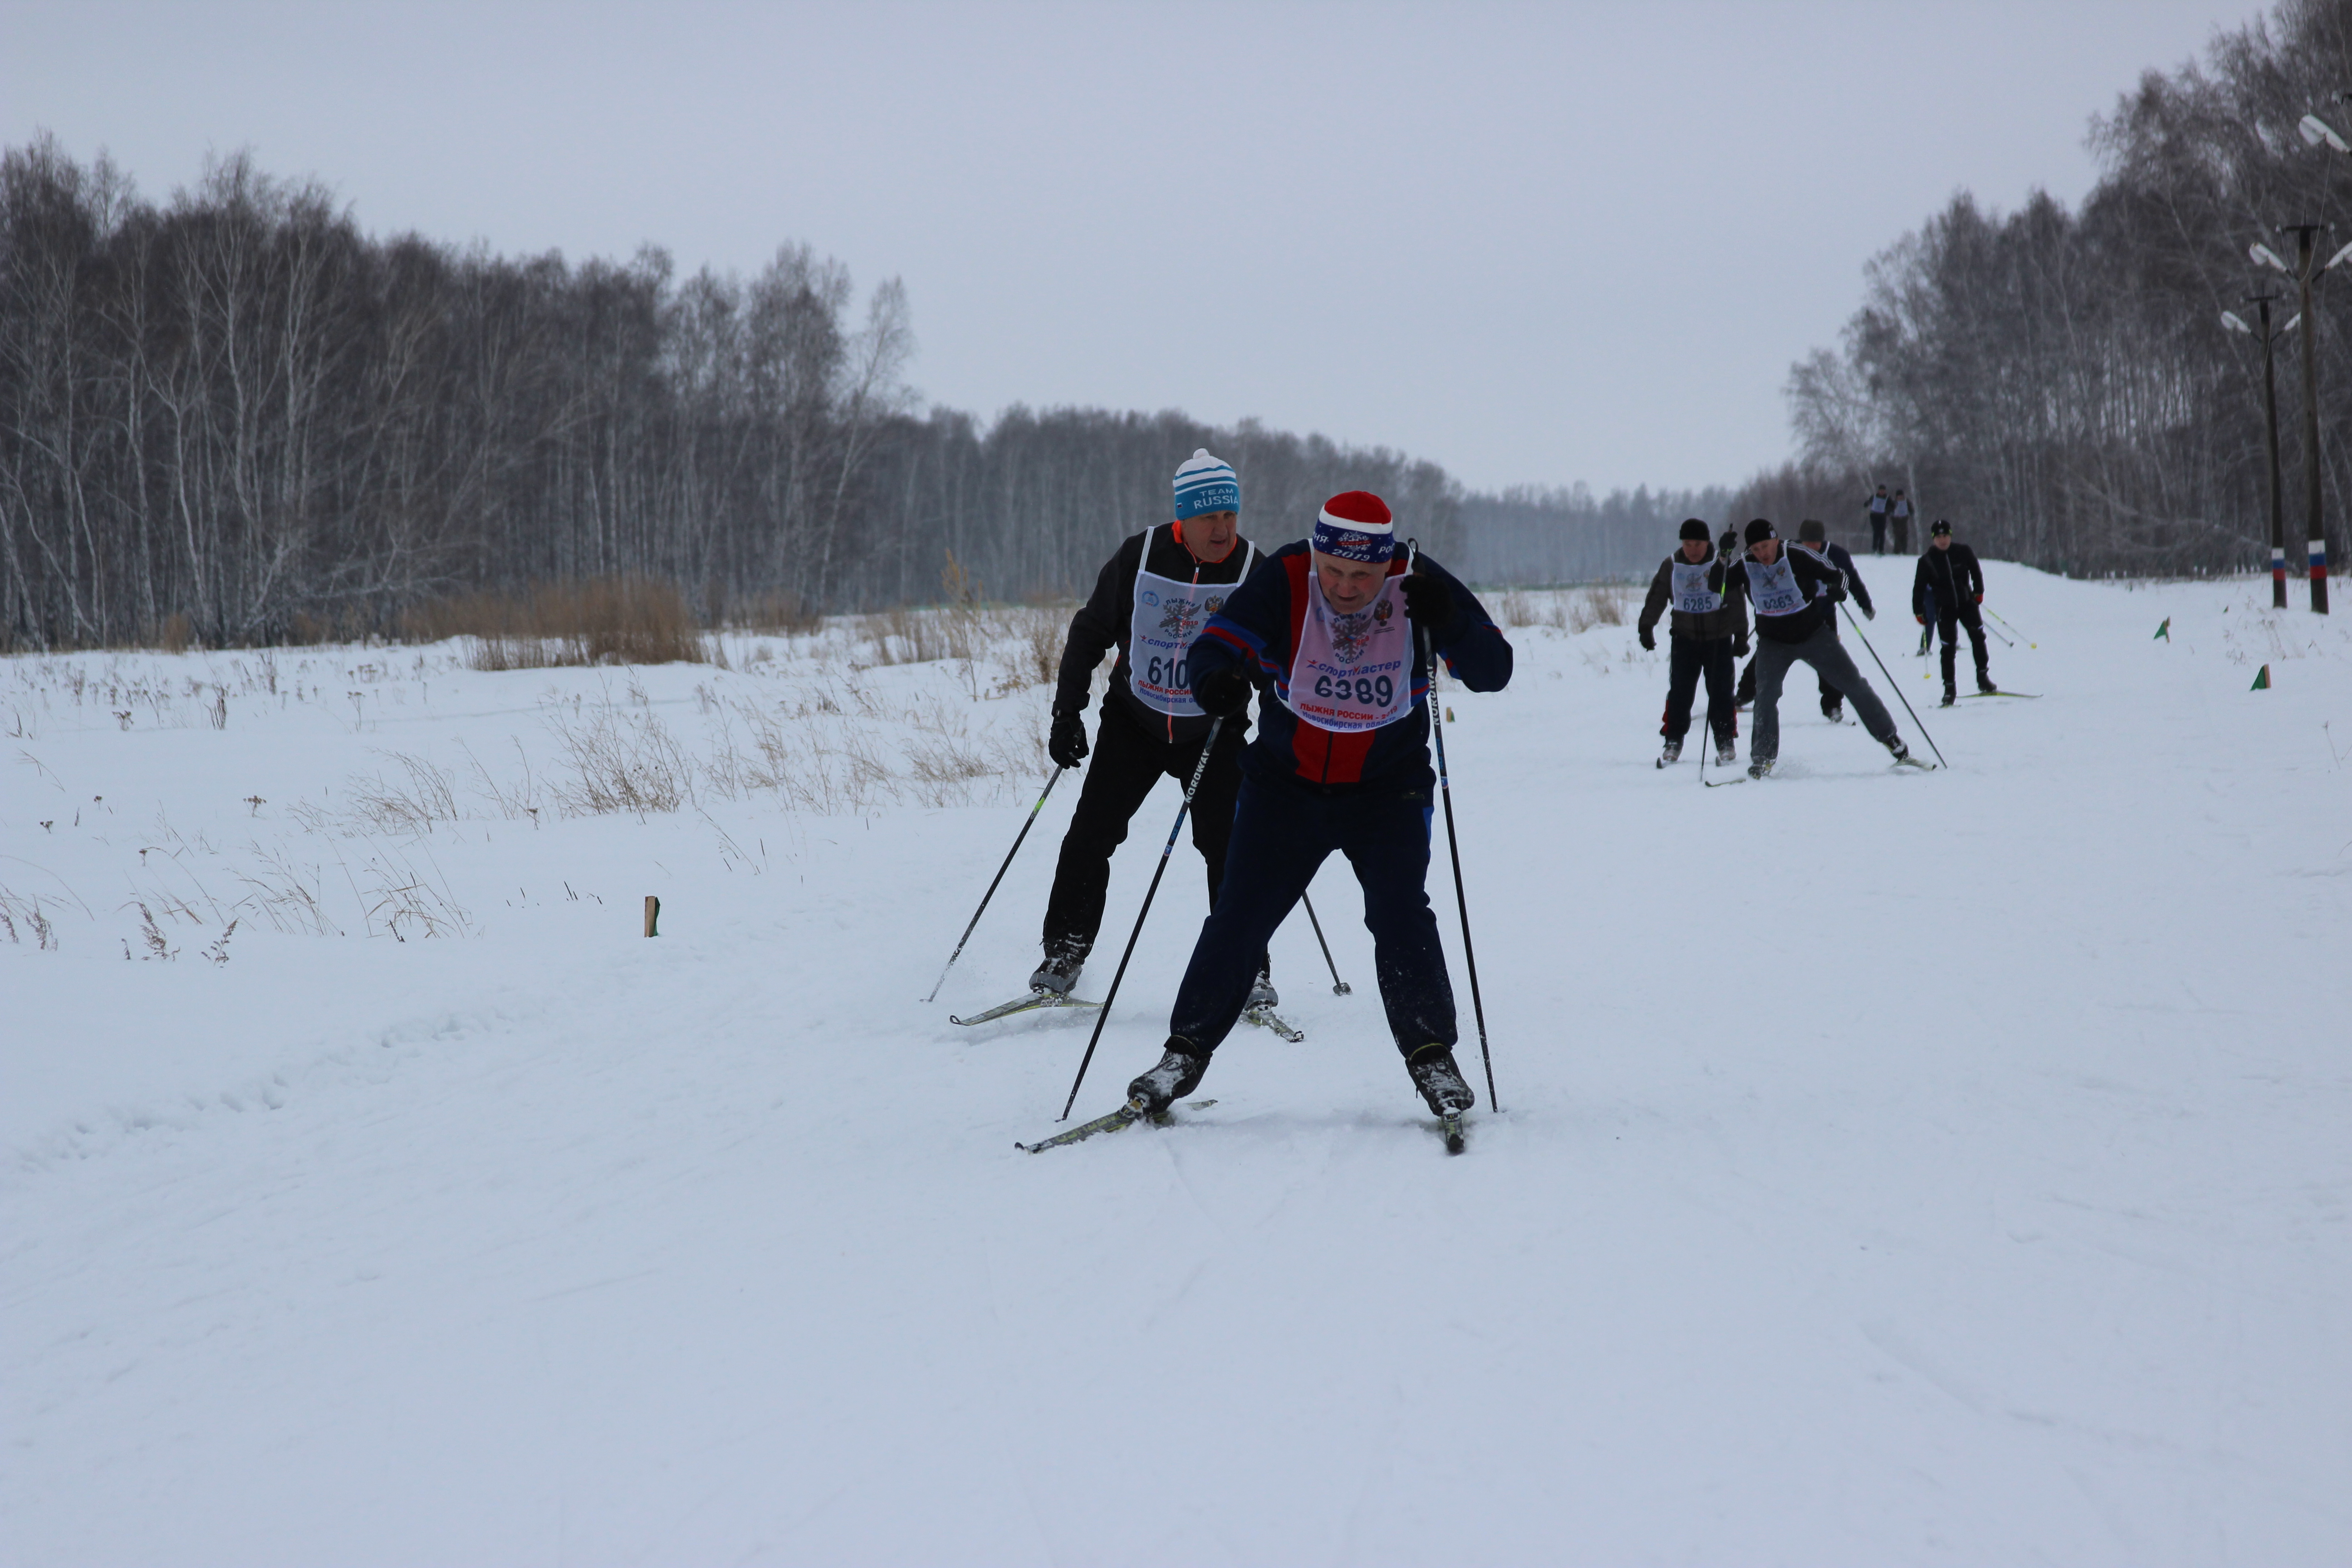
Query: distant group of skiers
[1336, 635]
[1710, 588]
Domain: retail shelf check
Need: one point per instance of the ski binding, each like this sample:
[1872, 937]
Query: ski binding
[1268, 1018]
[1449, 1126]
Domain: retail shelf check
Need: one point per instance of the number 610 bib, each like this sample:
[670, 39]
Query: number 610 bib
[1353, 672]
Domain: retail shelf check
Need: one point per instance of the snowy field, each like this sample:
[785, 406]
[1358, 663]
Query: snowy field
[1893, 1168]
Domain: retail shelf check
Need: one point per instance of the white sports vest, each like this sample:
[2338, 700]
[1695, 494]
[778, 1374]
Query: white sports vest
[1353, 672]
[1773, 589]
[1693, 597]
[1166, 615]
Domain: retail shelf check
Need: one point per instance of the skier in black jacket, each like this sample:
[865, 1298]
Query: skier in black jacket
[1811, 535]
[1709, 629]
[1793, 592]
[1948, 584]
[1153, 596]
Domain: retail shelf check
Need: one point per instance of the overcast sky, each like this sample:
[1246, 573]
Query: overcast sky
[1540, 244]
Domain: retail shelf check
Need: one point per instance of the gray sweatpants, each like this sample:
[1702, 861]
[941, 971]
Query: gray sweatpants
[1823, 651]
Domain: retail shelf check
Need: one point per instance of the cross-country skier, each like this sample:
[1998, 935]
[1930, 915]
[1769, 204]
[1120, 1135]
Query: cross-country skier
[1812, 536]
[1708, 631]
[1880, 504]
[1154, 594]
[1898, 514]
[1793, 592]
[1948, 584]
[1332, 627]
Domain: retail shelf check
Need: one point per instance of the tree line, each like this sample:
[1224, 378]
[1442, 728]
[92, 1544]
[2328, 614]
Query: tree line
[2060, 383]
[232, 417]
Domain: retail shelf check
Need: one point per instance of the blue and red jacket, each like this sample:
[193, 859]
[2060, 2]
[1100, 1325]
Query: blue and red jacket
[1258, 628]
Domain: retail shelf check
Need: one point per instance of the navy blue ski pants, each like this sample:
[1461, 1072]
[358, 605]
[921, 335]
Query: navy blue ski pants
[1281, 833]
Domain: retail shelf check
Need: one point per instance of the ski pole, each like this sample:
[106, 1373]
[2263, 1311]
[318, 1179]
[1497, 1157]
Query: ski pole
[1338, 987]
[2004, 641]
[1026, 826]
[1102, 1013]
[1897, 686]
[1997, 615]
[1454, 846]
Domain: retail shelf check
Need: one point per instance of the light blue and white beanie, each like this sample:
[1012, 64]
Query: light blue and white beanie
[1206, 484]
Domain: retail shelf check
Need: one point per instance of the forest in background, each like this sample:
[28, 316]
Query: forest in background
[2061, 384]
[233, 417]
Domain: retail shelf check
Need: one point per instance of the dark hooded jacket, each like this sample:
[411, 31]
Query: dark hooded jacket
[1947, 578]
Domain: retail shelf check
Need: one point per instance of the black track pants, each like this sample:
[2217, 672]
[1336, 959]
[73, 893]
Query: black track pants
[1125, 766]
[1281, 833]
[1687, 659]
[1969, 617]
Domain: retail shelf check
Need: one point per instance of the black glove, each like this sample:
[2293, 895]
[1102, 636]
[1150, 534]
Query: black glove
[1649, 643]
[1429, 602]
[1740, 648]
[1066, 743]
[1223, 692]
[1869, 613]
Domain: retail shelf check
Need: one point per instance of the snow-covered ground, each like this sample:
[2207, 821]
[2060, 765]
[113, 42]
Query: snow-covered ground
[1893, 1168]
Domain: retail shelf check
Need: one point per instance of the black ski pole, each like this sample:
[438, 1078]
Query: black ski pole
[1026, 826]
[1102, 1014]
[1454, 846]
[1338, 987]
[1897, 685]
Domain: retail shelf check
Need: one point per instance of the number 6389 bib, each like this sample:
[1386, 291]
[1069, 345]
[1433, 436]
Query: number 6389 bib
[1353, 672]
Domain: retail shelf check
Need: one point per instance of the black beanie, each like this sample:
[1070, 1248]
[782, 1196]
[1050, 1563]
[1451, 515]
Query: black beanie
[1810, 531]
[1941, 527]
[1694, 528]
[1760, 531]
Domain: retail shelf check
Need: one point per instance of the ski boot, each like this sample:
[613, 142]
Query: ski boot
[1951, 695]
[1758, 767]
[1059, 971]
[1672, 752]
[1985, 688]
[1834, 709]
[1902, 755]
[1262, 992]
[1439, 1081]
[1726, 750]
[1177, 1075]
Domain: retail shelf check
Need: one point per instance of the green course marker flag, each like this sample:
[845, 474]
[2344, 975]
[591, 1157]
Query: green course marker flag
[2164, 631]
[2261, 679]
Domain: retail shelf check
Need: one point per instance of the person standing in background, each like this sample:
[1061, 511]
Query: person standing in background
[1877, 511]
[1898, 514]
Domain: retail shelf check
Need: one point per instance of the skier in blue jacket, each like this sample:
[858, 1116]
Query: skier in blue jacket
[1334, 630]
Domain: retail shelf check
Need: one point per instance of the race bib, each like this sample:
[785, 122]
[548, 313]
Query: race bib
[1353, 672]
[1773, 589]
[1693, 597]
[1166, 615]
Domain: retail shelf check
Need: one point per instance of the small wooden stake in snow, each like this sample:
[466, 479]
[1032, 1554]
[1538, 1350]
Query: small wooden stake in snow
[2261, 679]
[653, 913]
